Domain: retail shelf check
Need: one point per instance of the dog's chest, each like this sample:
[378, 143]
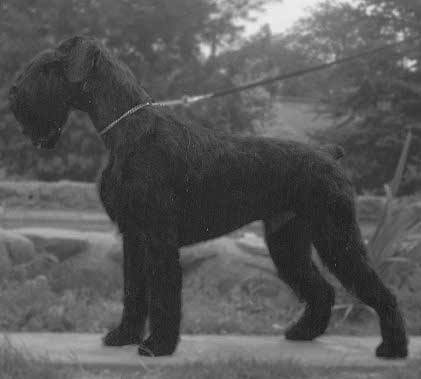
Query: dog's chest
[110, 188]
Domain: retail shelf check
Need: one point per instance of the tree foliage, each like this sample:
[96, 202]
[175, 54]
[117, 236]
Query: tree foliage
[173, 47]
[178, 47]
[376, 98]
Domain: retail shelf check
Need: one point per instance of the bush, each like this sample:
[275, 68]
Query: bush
[33, 306]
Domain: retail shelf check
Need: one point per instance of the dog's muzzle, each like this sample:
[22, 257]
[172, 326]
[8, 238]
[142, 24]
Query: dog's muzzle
[49, 141]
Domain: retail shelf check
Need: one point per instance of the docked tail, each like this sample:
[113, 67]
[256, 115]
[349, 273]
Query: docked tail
[334, 151]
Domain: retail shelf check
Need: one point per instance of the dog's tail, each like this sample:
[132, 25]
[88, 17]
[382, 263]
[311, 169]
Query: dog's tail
[334, 151]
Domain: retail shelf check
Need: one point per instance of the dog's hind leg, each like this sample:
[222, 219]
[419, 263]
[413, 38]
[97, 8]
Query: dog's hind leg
[338, 240]
[165, 281]
[290, 248]
[132, 325]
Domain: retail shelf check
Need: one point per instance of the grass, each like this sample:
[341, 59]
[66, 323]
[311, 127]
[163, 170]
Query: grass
[16, 364]
[35, 307]
[240, 369]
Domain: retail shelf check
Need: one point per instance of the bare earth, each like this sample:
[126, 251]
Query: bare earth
[87, 350]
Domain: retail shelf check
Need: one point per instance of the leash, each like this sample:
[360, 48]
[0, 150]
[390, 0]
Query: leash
[188, 100]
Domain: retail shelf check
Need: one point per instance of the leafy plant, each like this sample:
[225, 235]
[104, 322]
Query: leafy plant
[392, 263]
[372, 99]
[395, 223]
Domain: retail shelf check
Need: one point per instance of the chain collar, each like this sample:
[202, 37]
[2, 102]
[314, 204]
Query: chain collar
[123, 116]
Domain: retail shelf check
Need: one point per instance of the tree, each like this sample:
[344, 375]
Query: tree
[374, 99]
[173, 47]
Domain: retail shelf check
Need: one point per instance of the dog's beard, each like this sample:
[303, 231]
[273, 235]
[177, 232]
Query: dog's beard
[41, 106]
[43, 133]
[48, 141]
[42, 126]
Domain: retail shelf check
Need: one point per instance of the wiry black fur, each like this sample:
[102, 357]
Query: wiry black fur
[168, 184]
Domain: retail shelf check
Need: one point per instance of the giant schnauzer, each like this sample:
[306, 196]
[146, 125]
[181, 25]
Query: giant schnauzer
[169, 184]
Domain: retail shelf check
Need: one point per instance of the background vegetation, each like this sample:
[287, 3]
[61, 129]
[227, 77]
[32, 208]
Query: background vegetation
[203, 48]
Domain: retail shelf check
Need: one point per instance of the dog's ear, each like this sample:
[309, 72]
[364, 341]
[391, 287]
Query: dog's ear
[80, 56]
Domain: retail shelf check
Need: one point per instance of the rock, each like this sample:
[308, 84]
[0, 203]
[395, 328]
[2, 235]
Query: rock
[116, 251]
[19, 248]
[74, 259]
[190, 262]
[5, 262]
[92, 260]
[227, 266]
[37, 266]
[262, 286]
[63, 244]
[39, 283]
[251, 243]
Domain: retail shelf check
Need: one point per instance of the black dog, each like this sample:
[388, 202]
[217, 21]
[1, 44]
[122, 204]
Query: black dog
[169, 184]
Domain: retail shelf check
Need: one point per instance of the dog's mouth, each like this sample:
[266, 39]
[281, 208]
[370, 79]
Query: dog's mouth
[44, 144]
[47, 142]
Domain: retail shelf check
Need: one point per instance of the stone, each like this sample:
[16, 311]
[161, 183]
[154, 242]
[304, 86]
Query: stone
[5, 262]
[19, 248]
[63, 244]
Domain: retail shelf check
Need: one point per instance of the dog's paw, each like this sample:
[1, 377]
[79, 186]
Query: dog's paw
[309, 326]
[300, 332]
[120, 337]
[154, 348]
[392, 351]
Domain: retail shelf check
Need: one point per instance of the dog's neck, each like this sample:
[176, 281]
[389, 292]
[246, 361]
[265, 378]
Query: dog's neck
[106, 104]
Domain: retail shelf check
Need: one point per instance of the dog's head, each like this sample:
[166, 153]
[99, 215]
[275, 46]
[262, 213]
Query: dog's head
[49, 87]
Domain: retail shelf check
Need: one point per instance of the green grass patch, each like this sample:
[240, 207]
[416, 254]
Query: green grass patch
[35, 306]
[20, 364]
[15, 364]
[241, 369]
[249, 369]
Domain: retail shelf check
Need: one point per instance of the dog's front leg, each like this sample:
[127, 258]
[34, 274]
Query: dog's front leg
[165, 277]
[132, 325]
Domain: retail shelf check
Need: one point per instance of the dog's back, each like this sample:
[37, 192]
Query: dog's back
[220, 181]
